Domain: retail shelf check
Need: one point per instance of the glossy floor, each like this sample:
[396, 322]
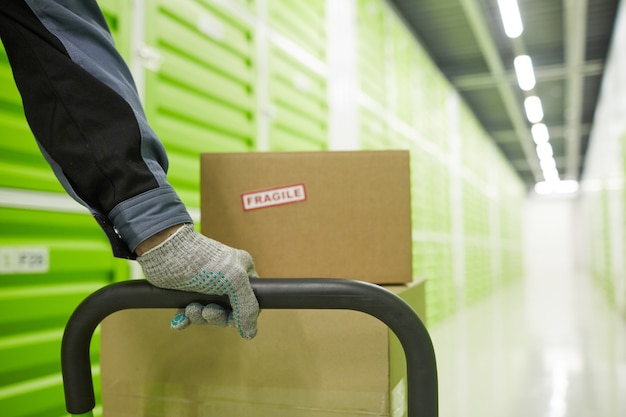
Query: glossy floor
[537, 348]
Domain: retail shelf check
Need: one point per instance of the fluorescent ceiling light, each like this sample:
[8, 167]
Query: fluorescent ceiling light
[543, 188]
[511, 18]
[544, 150]
[547, 164]
[534, 109]
[560, 187]
[540, 133]
[525, 73]
[551, 175]
[568, 186]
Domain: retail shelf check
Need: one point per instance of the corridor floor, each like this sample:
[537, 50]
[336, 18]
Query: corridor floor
[534, 349]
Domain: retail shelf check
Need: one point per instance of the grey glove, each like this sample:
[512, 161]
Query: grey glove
[189, 261]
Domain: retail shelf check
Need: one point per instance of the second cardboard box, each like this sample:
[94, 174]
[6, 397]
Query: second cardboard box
[313, 214]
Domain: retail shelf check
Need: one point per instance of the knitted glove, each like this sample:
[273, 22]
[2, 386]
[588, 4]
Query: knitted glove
[189, 261]
[211, 314]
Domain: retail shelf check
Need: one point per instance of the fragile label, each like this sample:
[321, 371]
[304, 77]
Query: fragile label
[271, 197]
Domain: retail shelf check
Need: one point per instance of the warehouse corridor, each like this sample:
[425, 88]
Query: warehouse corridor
[530, 351]
[513, 241]
[548, 345]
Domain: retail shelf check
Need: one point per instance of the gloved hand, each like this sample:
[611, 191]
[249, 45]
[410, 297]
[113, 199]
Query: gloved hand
[189, 261]
[211, 314]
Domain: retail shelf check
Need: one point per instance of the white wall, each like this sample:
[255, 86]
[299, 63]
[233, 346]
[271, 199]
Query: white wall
[549, 244]
[604, 156]
[550, 266]
[602, 244]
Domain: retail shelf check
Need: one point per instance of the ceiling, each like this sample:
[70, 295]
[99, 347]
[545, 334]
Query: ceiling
[567, 41]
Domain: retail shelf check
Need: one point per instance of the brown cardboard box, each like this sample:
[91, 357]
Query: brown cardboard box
[303, 363]
[330, 214]
[313, 214]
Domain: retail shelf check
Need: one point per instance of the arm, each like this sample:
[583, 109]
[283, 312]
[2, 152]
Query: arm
[82, 105]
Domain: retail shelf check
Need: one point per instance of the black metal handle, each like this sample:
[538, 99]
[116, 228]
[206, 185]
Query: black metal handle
[318, 293]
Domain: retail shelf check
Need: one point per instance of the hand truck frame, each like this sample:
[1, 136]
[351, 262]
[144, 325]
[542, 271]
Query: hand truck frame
[287, 293]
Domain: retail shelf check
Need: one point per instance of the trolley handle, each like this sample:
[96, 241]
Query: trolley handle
[284, 293]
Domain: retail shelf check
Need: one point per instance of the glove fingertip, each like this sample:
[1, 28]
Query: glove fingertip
[248, 334]
[180, 321]
[247, 327]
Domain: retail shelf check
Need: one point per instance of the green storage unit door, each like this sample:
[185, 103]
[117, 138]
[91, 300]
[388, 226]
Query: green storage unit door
[432, 249]
[49, 262]
[510, 218]
[478, 277]
[436, 262]
[430, 190]
[434, 91]
[512, 268]
[404, 64]
[302, 22]
[373, 129]
[297, 79]
[299, 102]
[440, 197]
[199, 90]
[475, 211]
[477, 151]
[52, 255]
[371, 64]
[422, 190]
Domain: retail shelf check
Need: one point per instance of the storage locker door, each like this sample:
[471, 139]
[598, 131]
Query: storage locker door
[440, 289]
[299, 103]
[297, 87]
[510, 204]
[199, 87]
[302, 22]
[512, 195]
[372, 75]
[371, 49]
[433, 255]
[434, 91]
[374, 132]
[49, 262]
[403, 63]
[52, 255]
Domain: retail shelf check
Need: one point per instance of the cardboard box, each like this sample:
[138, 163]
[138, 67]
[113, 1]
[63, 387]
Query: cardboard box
[313, 214]
[303, 363]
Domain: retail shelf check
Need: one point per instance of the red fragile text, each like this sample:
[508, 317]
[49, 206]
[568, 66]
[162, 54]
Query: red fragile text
[273, 197]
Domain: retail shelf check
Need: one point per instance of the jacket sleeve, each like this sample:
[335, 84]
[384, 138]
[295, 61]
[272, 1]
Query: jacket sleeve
[82, 105]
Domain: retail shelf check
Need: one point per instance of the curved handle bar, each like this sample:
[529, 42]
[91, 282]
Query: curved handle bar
[313, 293]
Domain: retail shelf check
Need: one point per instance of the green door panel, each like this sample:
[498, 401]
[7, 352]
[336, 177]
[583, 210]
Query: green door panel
[298, 96]
[201, 96]
[303, 22]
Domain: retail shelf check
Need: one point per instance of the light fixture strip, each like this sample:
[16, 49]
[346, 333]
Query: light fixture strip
[513, 27]
[534, 109]
[540, 133]
[544, 151]
[525, 73]
[511, 18]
